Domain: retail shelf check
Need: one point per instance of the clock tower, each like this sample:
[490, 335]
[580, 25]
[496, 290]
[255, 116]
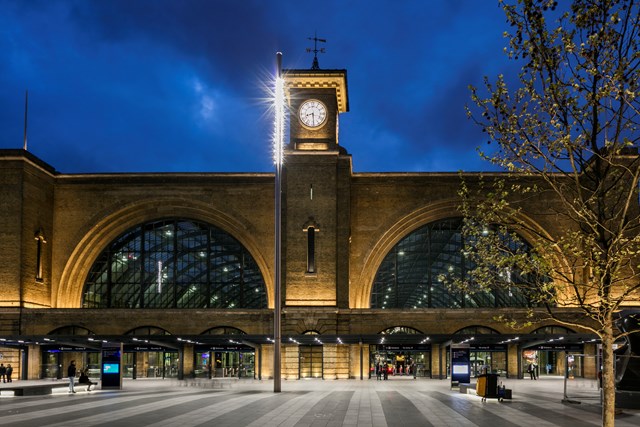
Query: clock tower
[316, 99]
[316, 191]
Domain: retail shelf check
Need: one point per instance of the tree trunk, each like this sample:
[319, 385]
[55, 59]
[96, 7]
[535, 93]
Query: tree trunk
[608, 377]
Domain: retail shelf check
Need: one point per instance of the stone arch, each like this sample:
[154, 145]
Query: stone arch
[361, 295]
[112, 224]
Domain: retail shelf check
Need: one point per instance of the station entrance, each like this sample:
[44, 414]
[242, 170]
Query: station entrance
[551, 360]
[223, 362]
[160, 363]
[400, 360]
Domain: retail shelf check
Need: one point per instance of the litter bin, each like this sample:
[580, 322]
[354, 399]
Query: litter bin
[481, 385]
[487, 386]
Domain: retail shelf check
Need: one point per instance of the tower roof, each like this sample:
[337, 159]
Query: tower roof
[319, 79]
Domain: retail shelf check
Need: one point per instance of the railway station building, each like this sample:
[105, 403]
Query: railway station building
[178, 268]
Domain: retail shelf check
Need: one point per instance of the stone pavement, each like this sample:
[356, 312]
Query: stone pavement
[401, 402]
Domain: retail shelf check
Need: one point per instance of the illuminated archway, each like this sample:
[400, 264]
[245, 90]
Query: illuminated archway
[111, 224]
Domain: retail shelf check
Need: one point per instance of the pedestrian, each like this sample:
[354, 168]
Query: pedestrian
[84, 379]
[3, 372]
[71, 373]
[530, 370]
[379, 371]
[9, 373]
[385, 371]
[535, 371]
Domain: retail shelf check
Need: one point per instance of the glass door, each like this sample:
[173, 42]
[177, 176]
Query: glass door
[50, 362]
[247, 365]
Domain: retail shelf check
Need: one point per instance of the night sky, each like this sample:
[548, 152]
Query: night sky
[179, 85]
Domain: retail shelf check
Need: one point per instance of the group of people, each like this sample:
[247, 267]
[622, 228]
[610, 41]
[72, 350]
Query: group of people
[83, 379]
[382, 371]
[6, 372]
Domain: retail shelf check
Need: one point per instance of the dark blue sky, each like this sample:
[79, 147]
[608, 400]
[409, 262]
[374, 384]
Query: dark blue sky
[178, 85]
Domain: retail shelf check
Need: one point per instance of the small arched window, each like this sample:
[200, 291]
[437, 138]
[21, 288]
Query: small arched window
[71, 330]
[476, 330]
[224, 330]
[553, 330]
[399, 330]
[147, 331]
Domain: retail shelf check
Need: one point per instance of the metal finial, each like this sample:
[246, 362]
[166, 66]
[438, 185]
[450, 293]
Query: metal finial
[315, 65]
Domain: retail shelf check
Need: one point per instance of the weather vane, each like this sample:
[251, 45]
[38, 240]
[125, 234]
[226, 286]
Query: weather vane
[315, 50]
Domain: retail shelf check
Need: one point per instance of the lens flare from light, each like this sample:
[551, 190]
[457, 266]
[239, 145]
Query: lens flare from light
[279, 116]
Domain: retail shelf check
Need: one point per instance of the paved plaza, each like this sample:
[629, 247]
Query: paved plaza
[401, 402]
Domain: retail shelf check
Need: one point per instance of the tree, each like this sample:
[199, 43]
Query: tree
[567, 135]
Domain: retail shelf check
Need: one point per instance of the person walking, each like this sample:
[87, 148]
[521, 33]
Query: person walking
[9, 373]
[71, 373]
[3, 372]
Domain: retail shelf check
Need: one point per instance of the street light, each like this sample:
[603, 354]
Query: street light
[278, 156]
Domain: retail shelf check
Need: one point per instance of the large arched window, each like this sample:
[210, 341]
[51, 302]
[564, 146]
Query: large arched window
[411, 274]
[174, 263]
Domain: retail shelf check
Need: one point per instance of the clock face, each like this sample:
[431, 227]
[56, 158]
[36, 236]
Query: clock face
[313, 113]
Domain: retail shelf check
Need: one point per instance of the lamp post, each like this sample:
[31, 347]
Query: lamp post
[278, 145]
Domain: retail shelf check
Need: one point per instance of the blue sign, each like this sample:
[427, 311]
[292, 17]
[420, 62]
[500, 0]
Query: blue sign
[111, 368]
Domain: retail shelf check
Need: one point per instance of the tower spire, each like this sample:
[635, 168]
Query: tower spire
[315, 50]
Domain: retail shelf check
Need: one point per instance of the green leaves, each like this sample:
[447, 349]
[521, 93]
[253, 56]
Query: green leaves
[567, 135]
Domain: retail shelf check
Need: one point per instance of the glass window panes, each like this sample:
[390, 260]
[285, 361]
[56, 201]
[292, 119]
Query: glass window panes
[175, 263]
[415, 272]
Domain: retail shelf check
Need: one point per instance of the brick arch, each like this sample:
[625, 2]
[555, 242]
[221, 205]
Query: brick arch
[361, 294]
[112, 224]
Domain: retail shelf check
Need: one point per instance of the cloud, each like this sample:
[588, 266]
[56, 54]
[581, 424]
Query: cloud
[152, 85]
